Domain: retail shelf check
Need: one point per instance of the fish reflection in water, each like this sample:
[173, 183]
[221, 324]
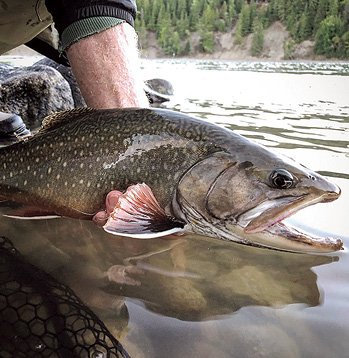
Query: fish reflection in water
[42, 317]
[191, 278]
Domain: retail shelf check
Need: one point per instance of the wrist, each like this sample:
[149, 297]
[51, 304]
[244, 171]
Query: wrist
[86, 27]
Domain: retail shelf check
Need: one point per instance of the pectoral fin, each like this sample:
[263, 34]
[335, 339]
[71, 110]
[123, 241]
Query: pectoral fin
[138, 214]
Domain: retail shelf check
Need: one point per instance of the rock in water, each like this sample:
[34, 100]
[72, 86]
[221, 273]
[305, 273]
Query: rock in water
[33, 92]
[67, 73]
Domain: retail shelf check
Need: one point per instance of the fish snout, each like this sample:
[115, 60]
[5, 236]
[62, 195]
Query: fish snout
[333, 194]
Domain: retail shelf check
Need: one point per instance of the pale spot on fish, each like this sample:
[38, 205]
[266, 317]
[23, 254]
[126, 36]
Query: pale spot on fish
[34, 173]
[88, 184]
[64, 164]
[73, 185]
[37, 160]
[49, 170]
[28, 167]
[5, 166]
[25, 182]
[81, 165]
[81, 181]
[138, 170]
[65, 183]
[58, 176]
[111, 137]
[11, 174]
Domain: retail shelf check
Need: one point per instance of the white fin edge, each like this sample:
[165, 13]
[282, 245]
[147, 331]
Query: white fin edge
[146, 235]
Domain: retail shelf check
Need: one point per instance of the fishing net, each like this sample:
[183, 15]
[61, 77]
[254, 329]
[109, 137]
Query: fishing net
[40, 317]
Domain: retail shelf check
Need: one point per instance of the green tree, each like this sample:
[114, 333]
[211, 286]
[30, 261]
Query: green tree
[327, 40]
[207, 41]
[289, 47]
[258, 38]
[243, 25]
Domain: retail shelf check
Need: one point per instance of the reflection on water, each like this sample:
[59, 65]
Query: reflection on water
[192, 296]
[190, 278]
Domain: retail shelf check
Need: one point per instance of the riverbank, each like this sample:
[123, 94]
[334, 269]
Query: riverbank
[275, 38]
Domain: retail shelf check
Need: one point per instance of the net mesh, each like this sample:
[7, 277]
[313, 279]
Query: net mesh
[40, 317]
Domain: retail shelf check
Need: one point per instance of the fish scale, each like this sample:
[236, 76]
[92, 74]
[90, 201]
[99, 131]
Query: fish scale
[73, 165]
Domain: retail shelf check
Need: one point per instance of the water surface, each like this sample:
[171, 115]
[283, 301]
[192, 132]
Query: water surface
[200, 297]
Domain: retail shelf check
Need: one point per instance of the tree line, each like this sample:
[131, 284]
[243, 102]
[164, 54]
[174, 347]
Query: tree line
[173, 21]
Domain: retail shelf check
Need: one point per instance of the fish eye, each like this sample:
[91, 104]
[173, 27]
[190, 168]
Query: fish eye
[281, 179]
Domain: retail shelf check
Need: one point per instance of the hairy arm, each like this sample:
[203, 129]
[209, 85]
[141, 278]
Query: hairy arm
[101, 46]
[106, 67]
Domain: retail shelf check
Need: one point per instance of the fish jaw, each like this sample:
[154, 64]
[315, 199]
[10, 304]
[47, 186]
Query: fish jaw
[263, 225]
[271, 212]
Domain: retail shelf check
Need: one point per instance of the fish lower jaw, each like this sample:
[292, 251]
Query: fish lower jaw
[303, 241]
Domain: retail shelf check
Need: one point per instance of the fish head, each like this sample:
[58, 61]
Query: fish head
[246, 200]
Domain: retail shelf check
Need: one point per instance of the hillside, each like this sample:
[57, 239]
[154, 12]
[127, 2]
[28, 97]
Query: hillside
[241, 29]
[225, 48]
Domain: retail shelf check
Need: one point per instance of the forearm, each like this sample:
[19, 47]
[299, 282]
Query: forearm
[106, 66]
[102, 51]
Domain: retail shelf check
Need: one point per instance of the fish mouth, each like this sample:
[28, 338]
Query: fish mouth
[263, 225]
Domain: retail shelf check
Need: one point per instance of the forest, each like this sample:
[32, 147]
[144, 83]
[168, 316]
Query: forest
[326, 22]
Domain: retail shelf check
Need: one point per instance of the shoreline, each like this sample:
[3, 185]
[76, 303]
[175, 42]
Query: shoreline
[23, 52]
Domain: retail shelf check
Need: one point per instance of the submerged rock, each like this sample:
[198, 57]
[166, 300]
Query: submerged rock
[33, 92]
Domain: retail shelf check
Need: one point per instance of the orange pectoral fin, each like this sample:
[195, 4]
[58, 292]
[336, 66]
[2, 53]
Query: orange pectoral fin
[138, 214]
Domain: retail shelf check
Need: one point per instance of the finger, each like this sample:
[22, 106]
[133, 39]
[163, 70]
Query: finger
[111, 200]
[100, 218]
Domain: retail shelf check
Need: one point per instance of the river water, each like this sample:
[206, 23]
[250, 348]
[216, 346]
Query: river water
[201, 297]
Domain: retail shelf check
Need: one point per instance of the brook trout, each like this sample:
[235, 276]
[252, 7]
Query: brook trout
[197, 176]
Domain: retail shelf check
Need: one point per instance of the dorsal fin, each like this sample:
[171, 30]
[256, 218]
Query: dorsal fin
[55, 120]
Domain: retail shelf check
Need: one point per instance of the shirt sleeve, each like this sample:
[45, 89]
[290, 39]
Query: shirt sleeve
[75, 19]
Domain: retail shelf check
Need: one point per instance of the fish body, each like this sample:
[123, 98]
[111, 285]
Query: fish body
[209, 178]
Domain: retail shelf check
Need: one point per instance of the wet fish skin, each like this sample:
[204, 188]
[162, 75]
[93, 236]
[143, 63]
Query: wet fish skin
[217, 182]
[69, 169]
